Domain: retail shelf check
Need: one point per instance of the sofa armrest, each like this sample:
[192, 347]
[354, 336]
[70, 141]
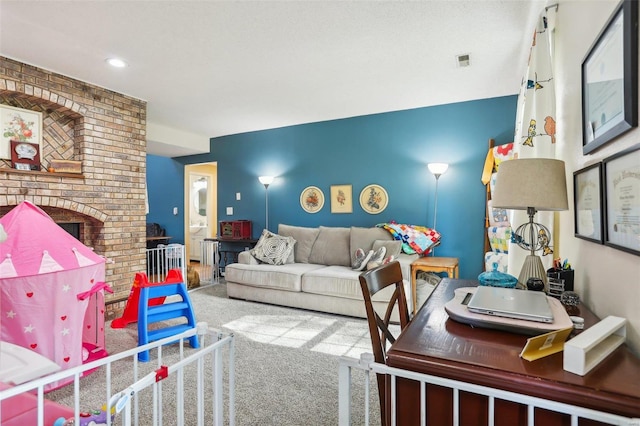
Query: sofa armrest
[405, 264]
[246, 258]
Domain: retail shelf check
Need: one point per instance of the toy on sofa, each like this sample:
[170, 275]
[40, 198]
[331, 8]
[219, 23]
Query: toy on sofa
[92, 418]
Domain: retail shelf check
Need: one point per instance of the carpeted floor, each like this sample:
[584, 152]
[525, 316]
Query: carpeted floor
[286, 363]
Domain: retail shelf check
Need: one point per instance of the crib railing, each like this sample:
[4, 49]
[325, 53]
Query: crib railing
[163, 258]
[369, 368]
[207, 398]
[209, 262]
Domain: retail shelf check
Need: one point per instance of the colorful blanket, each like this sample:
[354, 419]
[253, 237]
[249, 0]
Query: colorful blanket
[415, 239]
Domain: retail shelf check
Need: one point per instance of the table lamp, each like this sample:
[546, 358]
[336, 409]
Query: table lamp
[532, 184]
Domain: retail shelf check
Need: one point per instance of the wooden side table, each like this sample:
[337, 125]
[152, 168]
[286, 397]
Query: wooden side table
[431, 264]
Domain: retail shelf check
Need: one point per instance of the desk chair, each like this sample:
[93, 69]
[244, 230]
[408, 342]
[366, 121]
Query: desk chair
[371, 282]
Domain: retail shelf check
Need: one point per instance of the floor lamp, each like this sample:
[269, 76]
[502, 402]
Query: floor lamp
[266, 181]
[531, 184]
[437, 169]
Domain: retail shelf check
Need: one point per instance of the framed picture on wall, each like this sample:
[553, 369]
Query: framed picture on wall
[341, 199]
[587, 202]
[20, 125]
[610, 80]
[312, 199]
[374, 199]
[622, 200]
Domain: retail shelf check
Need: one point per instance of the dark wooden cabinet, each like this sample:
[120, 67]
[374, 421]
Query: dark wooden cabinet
[435, 344]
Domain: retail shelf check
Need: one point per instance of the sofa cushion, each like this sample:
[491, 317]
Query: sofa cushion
[340, 281]
[393, 248]
[280, 277]
[305, 237]
[364, 238]
[273, 248]
[332, 247]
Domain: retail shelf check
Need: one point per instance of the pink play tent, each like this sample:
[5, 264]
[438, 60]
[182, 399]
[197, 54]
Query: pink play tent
[51, 290]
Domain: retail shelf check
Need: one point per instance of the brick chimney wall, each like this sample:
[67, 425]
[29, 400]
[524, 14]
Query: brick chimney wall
[106, 132]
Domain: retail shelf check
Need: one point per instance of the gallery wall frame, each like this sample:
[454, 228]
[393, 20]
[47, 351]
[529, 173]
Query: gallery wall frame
[312, 199]
[374, 199]
[621, 179]
[587, 203]
[21, 125]
[610, 80]
[341, 199]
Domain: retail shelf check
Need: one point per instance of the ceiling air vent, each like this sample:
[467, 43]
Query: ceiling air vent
[463, 60]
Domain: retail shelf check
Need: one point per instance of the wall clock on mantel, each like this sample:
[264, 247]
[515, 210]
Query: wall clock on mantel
[25, 155]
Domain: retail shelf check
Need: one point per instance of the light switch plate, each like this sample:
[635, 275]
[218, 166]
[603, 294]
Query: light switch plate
[229, 211]
[238, 196]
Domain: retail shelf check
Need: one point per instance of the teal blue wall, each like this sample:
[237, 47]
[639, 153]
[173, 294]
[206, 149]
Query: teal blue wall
[390, 149]
[165, 185]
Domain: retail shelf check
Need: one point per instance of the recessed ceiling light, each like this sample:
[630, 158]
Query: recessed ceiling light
[115, 62]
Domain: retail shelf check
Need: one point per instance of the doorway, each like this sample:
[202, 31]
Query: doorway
[201, 206]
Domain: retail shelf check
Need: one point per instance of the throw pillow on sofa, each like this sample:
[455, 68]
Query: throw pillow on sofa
[393, 247]
[273, 249]
[365, 237]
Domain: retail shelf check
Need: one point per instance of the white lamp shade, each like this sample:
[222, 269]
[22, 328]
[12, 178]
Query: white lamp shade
[531, 182]
[266, 180]
[438, 168]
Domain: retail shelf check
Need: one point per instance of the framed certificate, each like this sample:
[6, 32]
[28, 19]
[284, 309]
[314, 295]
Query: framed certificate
[610, 80]
[622, 200]
[587, 198]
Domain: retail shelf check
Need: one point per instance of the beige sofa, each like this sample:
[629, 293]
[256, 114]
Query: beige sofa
[319, 275]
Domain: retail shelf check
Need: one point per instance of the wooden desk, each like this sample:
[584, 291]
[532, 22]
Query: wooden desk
[434, 344]
[431, 264]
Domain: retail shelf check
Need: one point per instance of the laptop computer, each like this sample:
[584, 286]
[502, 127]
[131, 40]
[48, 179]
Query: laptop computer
[511, 303]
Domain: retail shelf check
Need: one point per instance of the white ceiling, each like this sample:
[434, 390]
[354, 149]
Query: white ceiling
[216, 68]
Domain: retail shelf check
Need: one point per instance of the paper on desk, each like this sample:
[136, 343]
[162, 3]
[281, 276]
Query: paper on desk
[545, 344]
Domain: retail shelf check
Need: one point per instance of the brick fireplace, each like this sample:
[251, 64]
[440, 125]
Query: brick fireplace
[106, 132]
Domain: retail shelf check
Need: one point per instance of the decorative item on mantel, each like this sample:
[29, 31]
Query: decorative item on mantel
[65, 166]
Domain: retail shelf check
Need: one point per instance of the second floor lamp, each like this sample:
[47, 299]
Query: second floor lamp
[437, 169]
[266, 181]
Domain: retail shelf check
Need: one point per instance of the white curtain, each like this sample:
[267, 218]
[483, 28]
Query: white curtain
[535, 133]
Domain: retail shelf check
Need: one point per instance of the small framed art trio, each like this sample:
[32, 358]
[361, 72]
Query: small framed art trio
[373, 199]
[607, 201]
